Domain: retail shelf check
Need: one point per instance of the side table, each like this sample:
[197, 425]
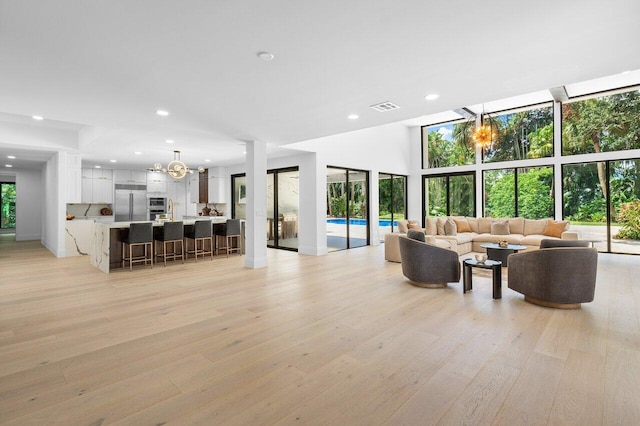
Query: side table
[496, 271]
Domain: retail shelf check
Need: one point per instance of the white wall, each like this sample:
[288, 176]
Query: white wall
[29, 204]
[54, 206]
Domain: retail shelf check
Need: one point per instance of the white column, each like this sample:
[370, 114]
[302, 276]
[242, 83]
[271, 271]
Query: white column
[414, 180]
[312, 231]
[256, 226]
[374, 207]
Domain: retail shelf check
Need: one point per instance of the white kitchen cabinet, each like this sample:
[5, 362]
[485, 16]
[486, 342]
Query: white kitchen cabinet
[133, 177]
[97, 186]
[156, 183]
[177, 191]
[218, 189]
[73, 183]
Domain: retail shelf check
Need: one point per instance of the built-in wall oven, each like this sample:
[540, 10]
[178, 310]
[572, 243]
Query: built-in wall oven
[157, 206]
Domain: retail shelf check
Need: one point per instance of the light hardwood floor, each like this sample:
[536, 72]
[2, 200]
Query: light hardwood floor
[339, 339]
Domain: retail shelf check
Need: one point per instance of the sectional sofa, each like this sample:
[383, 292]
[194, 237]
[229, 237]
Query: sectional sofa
[467, 234]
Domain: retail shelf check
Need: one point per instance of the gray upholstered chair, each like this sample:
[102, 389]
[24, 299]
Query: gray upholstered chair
[556, 277]
[170, 233]
[231, 230]
[549, 243]
[427, 265]
[201, 232]
[140, 234]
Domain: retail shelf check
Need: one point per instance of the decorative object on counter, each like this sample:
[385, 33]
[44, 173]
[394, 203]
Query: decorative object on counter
[206, 210]
[106, 211]
[70, 217]
[176, 169]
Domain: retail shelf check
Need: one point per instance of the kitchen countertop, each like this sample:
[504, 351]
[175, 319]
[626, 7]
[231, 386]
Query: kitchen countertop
[184, 221]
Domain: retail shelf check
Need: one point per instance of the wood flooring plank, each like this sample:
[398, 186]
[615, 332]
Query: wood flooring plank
[335, 339]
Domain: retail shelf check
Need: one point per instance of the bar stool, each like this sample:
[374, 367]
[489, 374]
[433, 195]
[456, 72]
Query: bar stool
[172, 233]
[201, 232]
[140, 234]
[232, 229]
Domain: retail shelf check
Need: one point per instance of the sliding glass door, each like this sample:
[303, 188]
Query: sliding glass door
[283, 205]
[7, 205]
[347, 208]
[602, 201]
[392, 196]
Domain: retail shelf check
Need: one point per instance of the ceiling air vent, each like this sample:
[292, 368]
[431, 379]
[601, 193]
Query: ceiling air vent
[384, 106]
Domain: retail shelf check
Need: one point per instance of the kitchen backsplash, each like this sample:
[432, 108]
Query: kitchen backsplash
[86, 210]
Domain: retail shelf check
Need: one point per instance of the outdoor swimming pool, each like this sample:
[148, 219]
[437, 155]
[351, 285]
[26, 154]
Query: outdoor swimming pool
[343, 221]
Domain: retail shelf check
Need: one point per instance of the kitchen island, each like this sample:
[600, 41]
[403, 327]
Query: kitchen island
[106, 250]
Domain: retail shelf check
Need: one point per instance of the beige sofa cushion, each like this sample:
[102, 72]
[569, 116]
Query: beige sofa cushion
[534, 226]
[484, 225]
[403, 226]
[438, 242]
[440, 225]
[491, 238]
[516, 225]
[432, 226]
[473, 224]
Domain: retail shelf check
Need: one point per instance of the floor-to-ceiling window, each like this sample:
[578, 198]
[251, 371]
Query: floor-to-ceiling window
[524, 192]
[7, 205]
[283, 205]
[450, 194]
[239, 196]
[347, 208]
[602, 201]
[392, 196]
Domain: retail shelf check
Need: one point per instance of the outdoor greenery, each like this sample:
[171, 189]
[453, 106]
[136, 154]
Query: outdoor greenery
[629, 219]
[391, 196]
[450, 145]
[521, 135]
[8, 205]
[337, 195]
[458, 190]
[534, 192]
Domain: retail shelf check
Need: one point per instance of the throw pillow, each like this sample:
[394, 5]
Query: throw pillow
[554, 229]
[516, 225]
[403, 226]
[450, 227]
[440, 225]
[534, 226]
[432, 226]
[500, 228]
[462, 225]
[415, 235]
[415, 226]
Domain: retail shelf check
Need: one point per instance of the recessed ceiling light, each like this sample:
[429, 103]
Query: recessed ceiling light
[432, 96]
[353, 116]
[8, 165]
[265, 56]
[244, 152]
[97, 167]
[37, 117]
[113, 161]
[169, 141]
[137, 153]
[207, 161]
[11, 156]
[162, 113]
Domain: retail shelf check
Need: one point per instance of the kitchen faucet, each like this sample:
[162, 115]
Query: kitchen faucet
[171, 208]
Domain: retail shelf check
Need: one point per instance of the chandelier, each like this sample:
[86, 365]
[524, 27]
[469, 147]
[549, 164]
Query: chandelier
[484, 134]
[176, 169]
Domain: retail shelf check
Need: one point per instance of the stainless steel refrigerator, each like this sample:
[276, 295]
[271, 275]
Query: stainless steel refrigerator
[130, 203]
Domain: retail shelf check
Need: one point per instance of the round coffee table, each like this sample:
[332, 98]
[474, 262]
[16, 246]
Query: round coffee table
[496, 252]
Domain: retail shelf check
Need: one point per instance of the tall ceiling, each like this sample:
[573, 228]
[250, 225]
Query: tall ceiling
[107, 66]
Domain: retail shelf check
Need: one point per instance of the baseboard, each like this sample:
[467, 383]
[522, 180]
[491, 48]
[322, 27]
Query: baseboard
[28, 237]
[255, 263]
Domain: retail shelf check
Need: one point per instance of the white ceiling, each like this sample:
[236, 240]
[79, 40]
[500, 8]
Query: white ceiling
[108, 66]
